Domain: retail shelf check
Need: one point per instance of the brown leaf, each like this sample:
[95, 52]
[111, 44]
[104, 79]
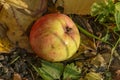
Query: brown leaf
[76, 6]
[98, 61]
[16, 76]
[117, 76]
[18, 16]
[5, 44]
[87, 46]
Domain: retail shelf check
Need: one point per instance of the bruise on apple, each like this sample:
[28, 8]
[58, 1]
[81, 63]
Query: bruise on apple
[71, 32]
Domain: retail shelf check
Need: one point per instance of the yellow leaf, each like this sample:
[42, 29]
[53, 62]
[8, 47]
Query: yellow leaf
[93, 76]
[17, 3]
[76, 6]
[5, 45]
[18, 16]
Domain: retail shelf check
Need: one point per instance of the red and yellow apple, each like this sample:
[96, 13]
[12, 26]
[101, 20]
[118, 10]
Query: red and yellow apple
[54, 37]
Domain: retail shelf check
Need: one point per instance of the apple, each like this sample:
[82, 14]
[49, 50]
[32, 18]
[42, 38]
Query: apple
[54, 37]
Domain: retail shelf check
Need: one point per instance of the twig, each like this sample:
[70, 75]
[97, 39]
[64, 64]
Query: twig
[15, 60]
[112, 52]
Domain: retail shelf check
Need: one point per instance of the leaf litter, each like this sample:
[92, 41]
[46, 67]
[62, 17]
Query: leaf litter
[98, 57]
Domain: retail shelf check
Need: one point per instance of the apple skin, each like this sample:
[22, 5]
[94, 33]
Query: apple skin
[54, 37]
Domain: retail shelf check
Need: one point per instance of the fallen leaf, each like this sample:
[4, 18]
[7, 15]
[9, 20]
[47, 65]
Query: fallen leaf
[93, 76]
[17, 3]
[76, 6]
[118, 72]
[17, 76]
[5, 44]
[98, 61]
[117, 76]
[18, 16]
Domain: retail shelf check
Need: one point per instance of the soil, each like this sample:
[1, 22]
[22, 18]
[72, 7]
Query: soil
[18, 62]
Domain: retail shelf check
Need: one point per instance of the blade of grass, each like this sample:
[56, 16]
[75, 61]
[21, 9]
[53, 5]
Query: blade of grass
[112, 52]
[15, 60]
[91, 35]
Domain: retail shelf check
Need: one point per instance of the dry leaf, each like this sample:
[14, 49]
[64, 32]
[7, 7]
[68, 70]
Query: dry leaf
[5, 44]
[118, 72]
[76, 6]
[17, 3]
[117, 75]
[17, 76]
[87, 46]
[98, 61]
[93, 76]
[18, 15]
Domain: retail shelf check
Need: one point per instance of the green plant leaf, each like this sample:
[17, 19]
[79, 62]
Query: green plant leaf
[71, 72]
[108, 75]
[103, 11]
[117, 15]
[117, 6]
[106, 37]
[49, 70]
[97, 9]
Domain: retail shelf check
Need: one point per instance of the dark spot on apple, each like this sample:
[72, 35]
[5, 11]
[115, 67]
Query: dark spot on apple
[68, 30]
[52, 46]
